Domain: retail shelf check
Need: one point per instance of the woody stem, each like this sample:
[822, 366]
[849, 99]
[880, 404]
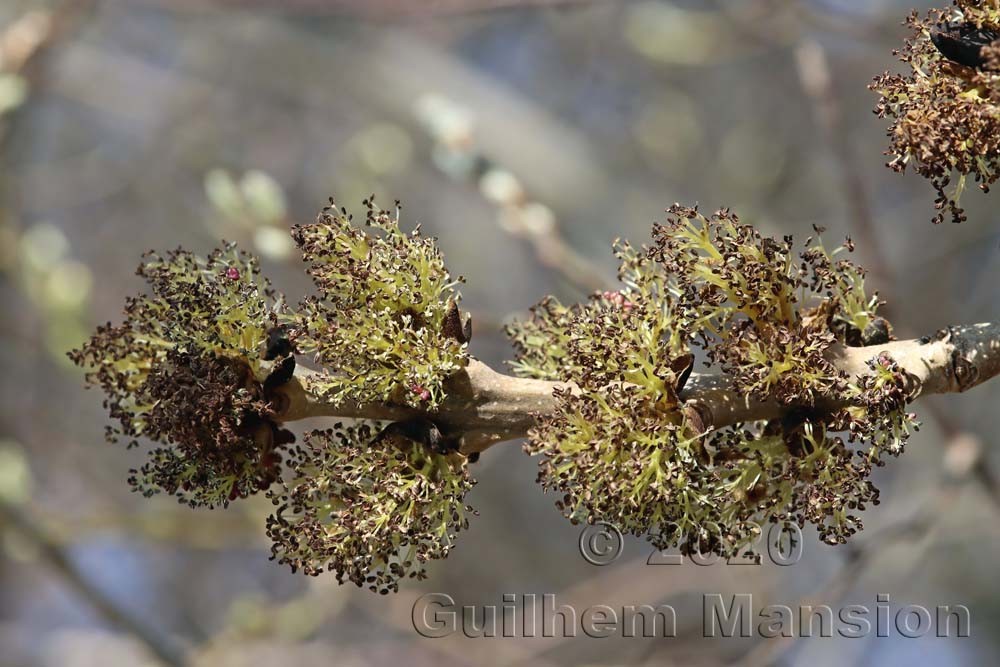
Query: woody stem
[487, 407]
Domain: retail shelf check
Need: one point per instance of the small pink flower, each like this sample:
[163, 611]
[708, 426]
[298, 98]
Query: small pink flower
[421, 392]
[618, 299]
[233, 273]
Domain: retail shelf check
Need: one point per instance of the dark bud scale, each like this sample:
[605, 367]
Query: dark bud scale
[963, 43]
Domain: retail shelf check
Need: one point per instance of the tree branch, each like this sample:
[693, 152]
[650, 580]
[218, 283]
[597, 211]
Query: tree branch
[488, 407]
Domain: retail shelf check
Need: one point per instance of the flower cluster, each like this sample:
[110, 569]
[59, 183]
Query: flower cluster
[594, 344]
[878, 415]
[195, 365]
[185, 369]
[742, 293]
[626, 449]
[371, 506]
[946, 110]
[386, 321]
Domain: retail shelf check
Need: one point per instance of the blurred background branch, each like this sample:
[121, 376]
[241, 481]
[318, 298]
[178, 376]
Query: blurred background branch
[383, 10]
[12, 517]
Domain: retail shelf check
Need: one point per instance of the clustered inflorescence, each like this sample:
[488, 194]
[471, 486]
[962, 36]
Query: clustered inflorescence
[372, 507]
[198, 367]
[627, 450]
[946, 110]
[204, 364]
[200, 363]
[185, 369]
[379, 275]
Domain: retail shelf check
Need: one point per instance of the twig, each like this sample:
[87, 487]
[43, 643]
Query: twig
[488, 407]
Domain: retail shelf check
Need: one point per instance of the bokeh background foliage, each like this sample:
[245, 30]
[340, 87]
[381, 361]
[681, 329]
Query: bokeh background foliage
[526, 135]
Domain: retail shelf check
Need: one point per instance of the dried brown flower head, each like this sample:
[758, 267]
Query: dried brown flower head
[945, 110]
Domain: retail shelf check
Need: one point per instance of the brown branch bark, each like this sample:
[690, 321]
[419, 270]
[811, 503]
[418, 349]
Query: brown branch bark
[488, 407]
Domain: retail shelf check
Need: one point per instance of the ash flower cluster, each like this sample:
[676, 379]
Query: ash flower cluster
[945, 110]
[384, 323]
[195, 365]
[372, 507]
[184, 369]
[569, 343]
[627, 450]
